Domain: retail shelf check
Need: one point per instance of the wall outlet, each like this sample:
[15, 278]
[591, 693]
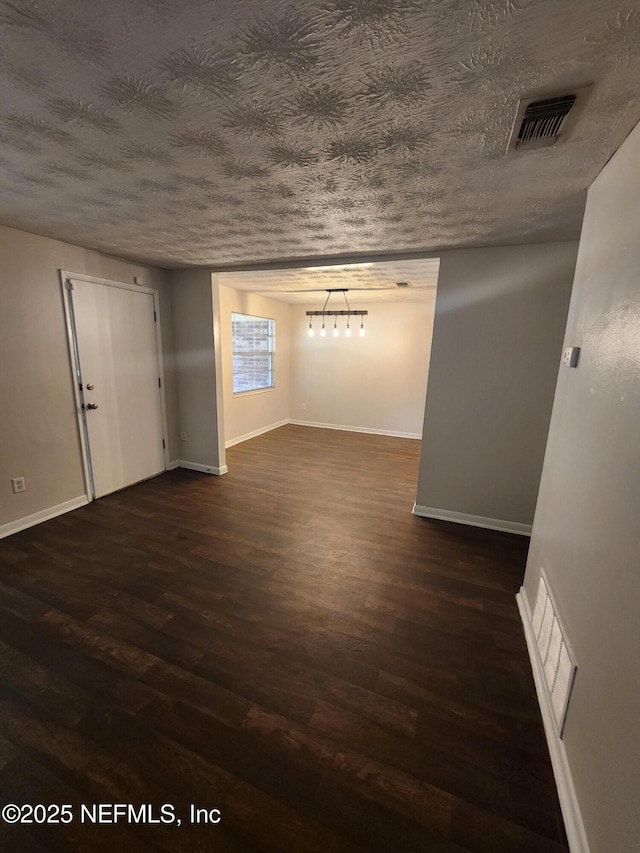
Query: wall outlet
[18, 485]
[183, 436]
[571, 356]
[304, 407]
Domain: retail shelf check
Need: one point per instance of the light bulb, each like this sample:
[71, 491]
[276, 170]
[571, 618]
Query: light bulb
[348, 332]
[361, 332]
[310, 330]
[323, 331]
[335, 330]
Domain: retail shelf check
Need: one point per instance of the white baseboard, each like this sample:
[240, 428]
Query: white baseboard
[574, 827]
[255, 433]
[44, 515]
[357, 429]
[205, 469]
[173, 465]
[472, 520]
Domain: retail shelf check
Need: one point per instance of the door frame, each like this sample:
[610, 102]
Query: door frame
[65, 277]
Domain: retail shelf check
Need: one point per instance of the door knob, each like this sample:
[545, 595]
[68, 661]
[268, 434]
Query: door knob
[92, 406]
[90, 386]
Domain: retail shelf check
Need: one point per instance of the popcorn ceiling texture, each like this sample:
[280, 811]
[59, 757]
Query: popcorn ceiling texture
[213, 132]
[376, 280]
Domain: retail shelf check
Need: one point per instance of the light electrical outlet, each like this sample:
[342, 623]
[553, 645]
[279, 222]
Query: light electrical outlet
[18, 485]
[571, 356]
[183, 436]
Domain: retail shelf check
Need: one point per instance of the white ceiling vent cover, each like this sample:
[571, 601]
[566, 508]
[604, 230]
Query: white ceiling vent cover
[540, 120]
[556, 658]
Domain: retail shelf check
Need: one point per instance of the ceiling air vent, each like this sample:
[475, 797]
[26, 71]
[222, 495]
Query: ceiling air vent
[540, 120]
[544, 119]
[403, 284]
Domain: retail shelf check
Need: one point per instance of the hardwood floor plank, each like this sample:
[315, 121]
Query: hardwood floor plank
[500, 727]
[376, 825]
[159, 645]
[274, 772]
[488, 833]
[200, 693]
[125, 656]
[39, 685]
[420, 801]
[108, 685]
[276, 827]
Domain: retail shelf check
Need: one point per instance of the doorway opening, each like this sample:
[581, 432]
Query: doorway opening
[371, 383]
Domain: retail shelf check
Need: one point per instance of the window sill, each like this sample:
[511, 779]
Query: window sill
[257, 391]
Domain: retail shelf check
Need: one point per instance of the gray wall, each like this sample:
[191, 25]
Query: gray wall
[497, 338]
[585, 532]
[38, 425]
[199, 387]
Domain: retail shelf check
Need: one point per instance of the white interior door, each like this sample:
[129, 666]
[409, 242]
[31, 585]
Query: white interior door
[118, 376]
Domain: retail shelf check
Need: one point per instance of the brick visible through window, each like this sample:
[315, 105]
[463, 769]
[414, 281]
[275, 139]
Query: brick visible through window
[253, 349]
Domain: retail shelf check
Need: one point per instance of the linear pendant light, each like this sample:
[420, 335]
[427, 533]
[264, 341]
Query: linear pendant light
[335, 314]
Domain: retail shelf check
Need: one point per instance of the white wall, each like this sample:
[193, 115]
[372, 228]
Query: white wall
[194, 300]
[500, 317]
[249, 414]
[585, 532]
[38, 426]
[375, 383]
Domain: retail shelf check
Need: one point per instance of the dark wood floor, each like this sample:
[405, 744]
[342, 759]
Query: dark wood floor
[286, 644]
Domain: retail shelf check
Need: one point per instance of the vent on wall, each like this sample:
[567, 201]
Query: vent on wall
[540, 120]
[556, 658]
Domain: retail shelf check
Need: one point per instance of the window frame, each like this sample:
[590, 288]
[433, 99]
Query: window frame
[270, 353]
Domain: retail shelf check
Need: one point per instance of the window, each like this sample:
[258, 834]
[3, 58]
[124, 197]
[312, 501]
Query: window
[253, 349]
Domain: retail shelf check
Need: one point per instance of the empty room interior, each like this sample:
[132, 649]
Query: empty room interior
[319, 410]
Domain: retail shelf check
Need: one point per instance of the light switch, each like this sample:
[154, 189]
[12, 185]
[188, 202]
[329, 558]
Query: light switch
[570, 356]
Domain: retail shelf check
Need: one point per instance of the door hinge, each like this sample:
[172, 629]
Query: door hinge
[159, 382]
[163, 444]
[155, 317]
[68, 284]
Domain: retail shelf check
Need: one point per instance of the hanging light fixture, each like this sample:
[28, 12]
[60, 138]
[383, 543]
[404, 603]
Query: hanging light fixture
[335, 314]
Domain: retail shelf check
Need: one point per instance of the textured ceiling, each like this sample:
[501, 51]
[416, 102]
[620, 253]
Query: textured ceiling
[366, 283]
[213, 132]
